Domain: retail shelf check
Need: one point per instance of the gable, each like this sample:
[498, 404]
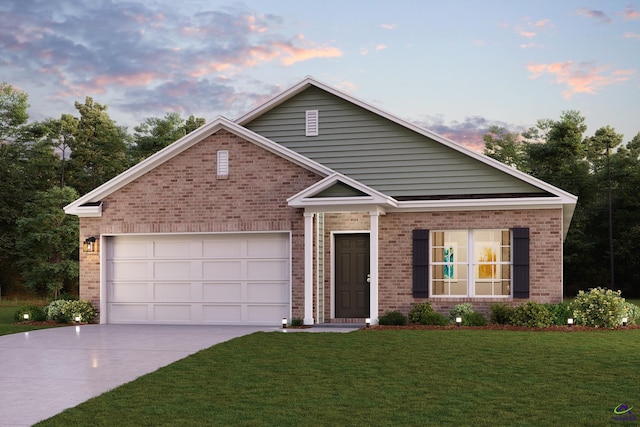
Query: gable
[380, 153]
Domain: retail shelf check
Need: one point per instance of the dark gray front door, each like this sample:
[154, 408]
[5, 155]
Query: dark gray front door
[352, 270]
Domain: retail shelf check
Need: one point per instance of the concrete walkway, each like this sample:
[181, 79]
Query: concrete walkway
[46, 371]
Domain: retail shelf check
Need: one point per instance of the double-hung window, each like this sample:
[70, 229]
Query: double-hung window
[471, 263]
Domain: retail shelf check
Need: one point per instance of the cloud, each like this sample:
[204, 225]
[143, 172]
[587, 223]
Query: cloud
[631, 35]
[580, 78]
[543, 23]
[468, 132]
[530, 45]
[129, 50]
[630, 14]
[527, 34]
[388, 26]
[381, 47]
[595, 14]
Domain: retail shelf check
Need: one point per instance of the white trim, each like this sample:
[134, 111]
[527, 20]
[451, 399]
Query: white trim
[308, 268]
[183, 144]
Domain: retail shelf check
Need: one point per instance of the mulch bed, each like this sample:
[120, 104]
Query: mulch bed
[574, 328]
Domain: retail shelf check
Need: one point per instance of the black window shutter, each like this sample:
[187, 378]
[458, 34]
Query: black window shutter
[420, 263]
[520, 262]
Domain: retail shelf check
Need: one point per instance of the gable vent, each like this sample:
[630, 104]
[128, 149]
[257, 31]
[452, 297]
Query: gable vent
[311, 123]
[223, 164]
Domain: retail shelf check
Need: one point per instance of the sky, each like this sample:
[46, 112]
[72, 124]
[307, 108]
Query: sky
[454, 67]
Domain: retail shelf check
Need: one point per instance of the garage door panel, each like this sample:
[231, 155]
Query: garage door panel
[274, 292]
[222, 270]
[221, 292]
[172, 292]
[222, 248]
[271, 314]
[172, 249]
[128, 292]
[267, 270]
[222, 313]
[172, 313]
[123, 313]
[267, 248]
[128, 270]
[135, 248]
[239, 278]
[172, 270]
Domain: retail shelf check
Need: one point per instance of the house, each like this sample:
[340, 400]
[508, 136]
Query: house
[318, 206]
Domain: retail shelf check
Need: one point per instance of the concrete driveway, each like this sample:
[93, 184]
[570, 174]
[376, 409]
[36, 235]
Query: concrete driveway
[46, 371]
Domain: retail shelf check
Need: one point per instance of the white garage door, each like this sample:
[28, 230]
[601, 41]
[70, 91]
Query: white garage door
[198, 279]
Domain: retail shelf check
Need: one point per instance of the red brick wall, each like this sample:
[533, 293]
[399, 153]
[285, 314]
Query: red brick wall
[395, 250]
[184, 195]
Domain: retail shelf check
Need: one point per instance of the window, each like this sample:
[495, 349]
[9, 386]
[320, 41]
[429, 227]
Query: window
[471, 263]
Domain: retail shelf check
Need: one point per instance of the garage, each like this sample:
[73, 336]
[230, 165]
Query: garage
[199, 279]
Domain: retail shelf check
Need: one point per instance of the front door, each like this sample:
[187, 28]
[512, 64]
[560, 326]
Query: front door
[351, 275]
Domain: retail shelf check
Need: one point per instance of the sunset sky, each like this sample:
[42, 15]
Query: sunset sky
[454, 67]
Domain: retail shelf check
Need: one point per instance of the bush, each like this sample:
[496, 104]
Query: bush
[419, 311]
[474, 319]
[599, 307]
[435, 319]
[632, 313]
[64, 311]
[500, 314]
[469, 317]
[36, 313]
[393, 318]
[460, 310]
[532, 315]
[560, 312]
[297, 321]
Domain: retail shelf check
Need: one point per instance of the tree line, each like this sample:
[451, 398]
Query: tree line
[44, 165]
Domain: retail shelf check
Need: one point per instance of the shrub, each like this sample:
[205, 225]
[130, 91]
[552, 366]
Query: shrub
[64, 311]
[532, 315]
[435, 319]
[393, 318]
[631, 312]
[297, 321]
[500, 314]
[36, 313]
[560, 312]
[599, 307]
[474, 319]
[460, 310]
[419, 312]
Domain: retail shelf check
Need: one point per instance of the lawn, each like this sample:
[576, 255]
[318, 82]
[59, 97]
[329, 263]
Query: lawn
[390, 377]
[8, 310]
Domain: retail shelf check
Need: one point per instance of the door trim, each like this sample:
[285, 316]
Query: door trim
[332, 255]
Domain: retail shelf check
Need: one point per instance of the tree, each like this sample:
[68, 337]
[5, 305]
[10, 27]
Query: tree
[156, 133]
[99, 149]
[13, 110]
[504, 146]
[48, 241]
[61, 134]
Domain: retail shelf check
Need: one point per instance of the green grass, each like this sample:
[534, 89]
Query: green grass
[7, 312]
[390, 378]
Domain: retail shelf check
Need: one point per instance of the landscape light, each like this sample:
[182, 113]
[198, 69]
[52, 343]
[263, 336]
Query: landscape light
[78, 318]
[570, 321]
[367, 322]
[459, 321]
[26, 316]
[284, 322]
[624, 321]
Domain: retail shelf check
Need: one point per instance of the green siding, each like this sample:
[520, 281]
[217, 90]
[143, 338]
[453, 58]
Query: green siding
[380, 153]
[340, 190]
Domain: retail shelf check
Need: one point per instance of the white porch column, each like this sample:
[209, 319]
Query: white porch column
[308, 268]
[373, 265]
